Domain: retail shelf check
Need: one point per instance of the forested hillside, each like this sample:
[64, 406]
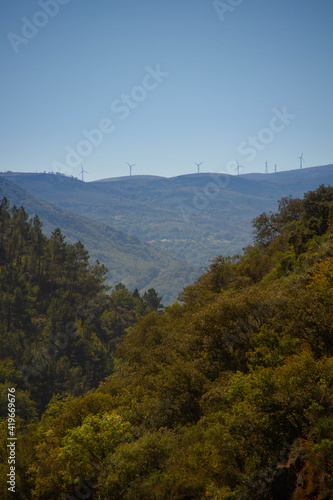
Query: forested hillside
[58, 325]
[129, 260]
[192, 217]
[227, 395]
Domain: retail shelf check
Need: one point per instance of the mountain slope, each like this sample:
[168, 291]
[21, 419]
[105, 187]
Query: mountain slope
[129, 260]
[193, 217]
[226, 396]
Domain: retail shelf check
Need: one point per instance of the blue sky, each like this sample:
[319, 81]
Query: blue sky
[167, 83]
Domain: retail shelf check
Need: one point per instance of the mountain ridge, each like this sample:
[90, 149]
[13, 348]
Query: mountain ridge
[194, 217]
[191, 217]
[131, 261]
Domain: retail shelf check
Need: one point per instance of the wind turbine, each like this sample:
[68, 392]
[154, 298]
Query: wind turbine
[83, 171]
[275, 167]
[238, 167]
[130, 166]
[198, 165]
[266, 167]
[301, 159]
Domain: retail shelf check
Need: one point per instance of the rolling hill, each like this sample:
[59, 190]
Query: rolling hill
[192, 217]
[129, 260]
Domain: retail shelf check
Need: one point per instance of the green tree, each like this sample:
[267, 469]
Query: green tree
[152, 300]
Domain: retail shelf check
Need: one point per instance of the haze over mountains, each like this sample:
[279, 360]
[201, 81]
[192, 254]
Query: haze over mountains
[156, 231]
[129, 260]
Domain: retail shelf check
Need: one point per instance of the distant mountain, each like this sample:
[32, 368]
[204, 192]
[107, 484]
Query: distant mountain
[193, 217]
[322, 172]
[136, 264]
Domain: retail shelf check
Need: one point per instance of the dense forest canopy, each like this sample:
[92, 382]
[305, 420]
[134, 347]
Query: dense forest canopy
[226, 395]
[59, 326]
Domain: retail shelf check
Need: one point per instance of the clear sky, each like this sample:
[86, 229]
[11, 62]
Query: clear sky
[167, 83]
